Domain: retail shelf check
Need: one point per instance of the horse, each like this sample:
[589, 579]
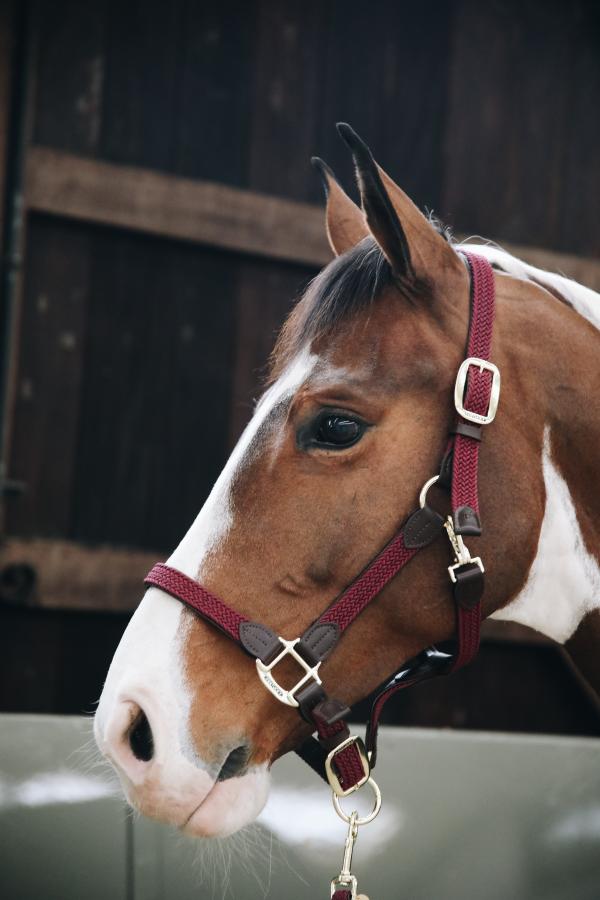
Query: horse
[353, 421]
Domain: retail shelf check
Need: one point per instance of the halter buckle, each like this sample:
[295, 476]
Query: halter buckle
[461, 552]
[459, 390]
[332, 777]
[264, 673]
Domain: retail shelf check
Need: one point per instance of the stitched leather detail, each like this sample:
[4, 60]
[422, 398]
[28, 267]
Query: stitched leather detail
[318, 641]
[329, 712]
[260, 641]
[308, 697]
[466, 521]
[469, 585]
[422, 527]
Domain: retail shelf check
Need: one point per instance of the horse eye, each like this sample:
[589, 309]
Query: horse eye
[338, 431]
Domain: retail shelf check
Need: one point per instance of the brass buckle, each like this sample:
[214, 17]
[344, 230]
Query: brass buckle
[273, 686]
[461, 552]
[333, 778]
[459, 390]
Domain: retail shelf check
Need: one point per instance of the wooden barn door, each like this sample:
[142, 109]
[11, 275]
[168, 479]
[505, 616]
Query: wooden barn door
[130, 380]
[163, 216]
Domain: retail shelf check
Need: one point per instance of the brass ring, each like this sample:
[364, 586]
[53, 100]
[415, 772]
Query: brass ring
[366, 819]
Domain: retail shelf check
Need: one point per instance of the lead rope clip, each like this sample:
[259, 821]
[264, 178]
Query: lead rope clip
[462, 556]
[345, 883]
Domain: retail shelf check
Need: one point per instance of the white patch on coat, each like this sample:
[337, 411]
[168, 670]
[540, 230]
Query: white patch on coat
[563, 584]
[585, 301]
[146, 671]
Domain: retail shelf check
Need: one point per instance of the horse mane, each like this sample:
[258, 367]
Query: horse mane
[582, 299]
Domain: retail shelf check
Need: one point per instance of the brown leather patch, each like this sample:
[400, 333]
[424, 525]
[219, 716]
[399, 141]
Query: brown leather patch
[422, 527]
[466, 521]
[469, 585]
[330, 711]
[260, 641]
[318, 641]
[467, 429]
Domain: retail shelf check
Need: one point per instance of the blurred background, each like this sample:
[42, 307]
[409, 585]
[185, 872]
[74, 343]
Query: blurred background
[159, 216]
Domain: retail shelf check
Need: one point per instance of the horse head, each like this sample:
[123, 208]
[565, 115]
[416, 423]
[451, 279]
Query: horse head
[353, 421]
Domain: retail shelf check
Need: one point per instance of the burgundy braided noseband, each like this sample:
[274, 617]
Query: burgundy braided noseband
[344, 760]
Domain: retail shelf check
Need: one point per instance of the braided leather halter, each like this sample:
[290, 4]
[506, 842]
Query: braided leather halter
[344, 760]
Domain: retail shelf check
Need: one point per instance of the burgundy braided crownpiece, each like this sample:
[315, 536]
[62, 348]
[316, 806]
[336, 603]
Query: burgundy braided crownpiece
[466, 450]
[190, 592]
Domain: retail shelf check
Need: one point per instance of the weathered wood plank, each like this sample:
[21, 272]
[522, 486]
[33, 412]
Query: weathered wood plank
[385, 71]
[7, 48]
[511, 118]
[209, 213]
[48, 384]
[155, 401]
[579, 220]
[216, 79]
[287, 96]
[70, 71]
[141, 89]
[66, 70]
[265, 294]
[73, 576]
[182, 208]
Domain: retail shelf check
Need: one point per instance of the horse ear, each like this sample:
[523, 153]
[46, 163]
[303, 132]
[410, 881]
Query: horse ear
[346, 225]
[411, 244]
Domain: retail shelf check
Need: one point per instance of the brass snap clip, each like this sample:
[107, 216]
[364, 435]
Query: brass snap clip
[462, 557]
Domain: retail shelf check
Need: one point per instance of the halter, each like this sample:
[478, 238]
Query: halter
[342, 759]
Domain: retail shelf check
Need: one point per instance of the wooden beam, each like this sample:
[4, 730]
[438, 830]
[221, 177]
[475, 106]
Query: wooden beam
[181, 208]
[72, 576]
[205, 212]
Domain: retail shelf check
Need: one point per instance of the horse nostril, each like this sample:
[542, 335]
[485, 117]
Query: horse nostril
[140, 738]
[235, 764]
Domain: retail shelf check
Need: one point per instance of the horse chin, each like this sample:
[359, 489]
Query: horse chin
[224, 808]
[229, 806]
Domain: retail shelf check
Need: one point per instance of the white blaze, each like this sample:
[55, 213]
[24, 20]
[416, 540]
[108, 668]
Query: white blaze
[146, 669]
